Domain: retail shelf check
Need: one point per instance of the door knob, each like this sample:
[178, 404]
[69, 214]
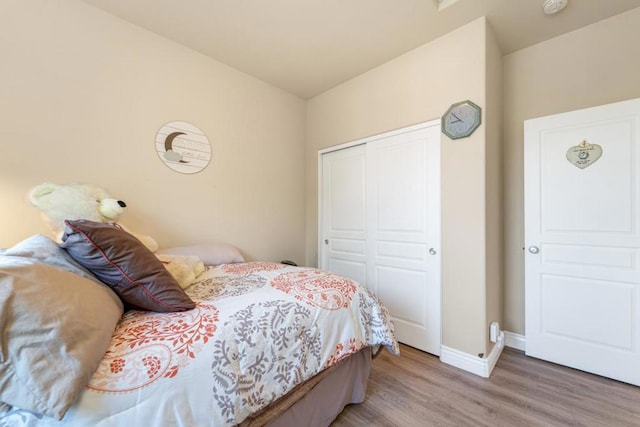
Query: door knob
[534, 249]
[326, 241]
[432, 251]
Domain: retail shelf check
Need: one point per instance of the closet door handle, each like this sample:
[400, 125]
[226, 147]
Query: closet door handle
[534, 249]
[432, 251]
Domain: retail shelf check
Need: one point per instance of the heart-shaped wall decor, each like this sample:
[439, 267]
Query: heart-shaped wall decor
[584, 154]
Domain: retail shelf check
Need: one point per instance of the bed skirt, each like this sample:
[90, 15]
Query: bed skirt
[318, 401]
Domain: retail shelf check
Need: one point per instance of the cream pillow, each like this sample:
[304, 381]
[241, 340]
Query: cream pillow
[210, 253]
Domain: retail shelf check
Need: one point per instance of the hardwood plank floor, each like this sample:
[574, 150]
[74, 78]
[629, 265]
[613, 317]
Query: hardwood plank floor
[416, 389]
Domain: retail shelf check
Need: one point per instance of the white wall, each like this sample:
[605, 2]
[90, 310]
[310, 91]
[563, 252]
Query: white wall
[83, 95]
[595, 65]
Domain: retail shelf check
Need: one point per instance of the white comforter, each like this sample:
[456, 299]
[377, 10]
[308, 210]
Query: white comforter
[258, 330]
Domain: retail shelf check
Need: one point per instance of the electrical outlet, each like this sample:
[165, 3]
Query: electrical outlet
[494, 331]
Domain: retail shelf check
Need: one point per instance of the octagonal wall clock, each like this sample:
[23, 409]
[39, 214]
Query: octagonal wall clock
[461, 119]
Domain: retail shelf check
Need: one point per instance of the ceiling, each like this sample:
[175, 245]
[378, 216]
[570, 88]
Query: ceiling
[309, 46]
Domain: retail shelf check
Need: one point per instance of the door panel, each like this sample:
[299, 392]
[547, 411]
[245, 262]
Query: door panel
[343, 248]
[396, 286]
[402, 252]
[590, 256]
[568, 307]
[346, 171]
[400, 184]
[356, 270]
[584, 200]
[583, 284]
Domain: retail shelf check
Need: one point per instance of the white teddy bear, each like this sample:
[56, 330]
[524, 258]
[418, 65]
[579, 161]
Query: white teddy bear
[59, 202]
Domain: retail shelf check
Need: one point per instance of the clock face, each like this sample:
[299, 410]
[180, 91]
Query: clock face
[461, 119]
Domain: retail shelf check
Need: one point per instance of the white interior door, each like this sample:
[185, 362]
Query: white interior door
[582, 240]
[380, 216]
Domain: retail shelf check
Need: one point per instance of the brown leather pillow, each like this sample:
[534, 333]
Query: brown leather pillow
[121, 261]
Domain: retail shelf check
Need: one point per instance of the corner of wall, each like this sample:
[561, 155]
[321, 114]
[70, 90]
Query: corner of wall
[493, 189]
[481, 366]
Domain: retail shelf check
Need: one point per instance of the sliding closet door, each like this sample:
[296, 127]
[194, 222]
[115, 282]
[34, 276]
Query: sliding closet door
[343, 245]
[403, 242]
[380, 225]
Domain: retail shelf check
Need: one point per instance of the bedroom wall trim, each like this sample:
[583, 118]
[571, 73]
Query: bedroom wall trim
[513, 340]
[470, 363]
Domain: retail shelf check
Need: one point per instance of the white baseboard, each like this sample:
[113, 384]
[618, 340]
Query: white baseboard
[513, 340]
[470, 363]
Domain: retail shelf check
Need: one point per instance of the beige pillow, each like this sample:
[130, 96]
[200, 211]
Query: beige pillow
[56, 327]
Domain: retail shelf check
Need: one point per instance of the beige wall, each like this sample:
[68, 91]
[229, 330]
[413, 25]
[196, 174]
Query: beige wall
[493, 189]
[413, 88]
[83, 95]
[595, 65]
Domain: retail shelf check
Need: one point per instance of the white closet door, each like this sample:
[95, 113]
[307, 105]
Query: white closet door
[582, 238]
[380, 225]
[403, 207]
[343, 245]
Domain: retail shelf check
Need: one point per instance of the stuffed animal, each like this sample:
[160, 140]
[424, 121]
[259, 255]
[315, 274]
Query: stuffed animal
[58, 202]
[184, 268]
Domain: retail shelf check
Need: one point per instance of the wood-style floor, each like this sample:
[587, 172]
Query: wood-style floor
[416, 389]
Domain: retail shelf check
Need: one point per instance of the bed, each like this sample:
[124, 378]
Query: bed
[265, 344]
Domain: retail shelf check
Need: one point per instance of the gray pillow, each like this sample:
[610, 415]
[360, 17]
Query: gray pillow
[56, 328]
[43, 249]
[121, 261]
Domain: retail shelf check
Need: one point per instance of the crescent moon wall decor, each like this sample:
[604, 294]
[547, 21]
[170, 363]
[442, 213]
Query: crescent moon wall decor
[183, 147]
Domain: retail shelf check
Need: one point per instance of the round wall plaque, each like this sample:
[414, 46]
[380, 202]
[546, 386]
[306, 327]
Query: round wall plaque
[183, 147]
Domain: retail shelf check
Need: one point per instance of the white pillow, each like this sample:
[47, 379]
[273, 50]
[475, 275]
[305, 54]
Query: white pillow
[209, 253]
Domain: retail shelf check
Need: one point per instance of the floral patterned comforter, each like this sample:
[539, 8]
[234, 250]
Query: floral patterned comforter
[258, 330]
